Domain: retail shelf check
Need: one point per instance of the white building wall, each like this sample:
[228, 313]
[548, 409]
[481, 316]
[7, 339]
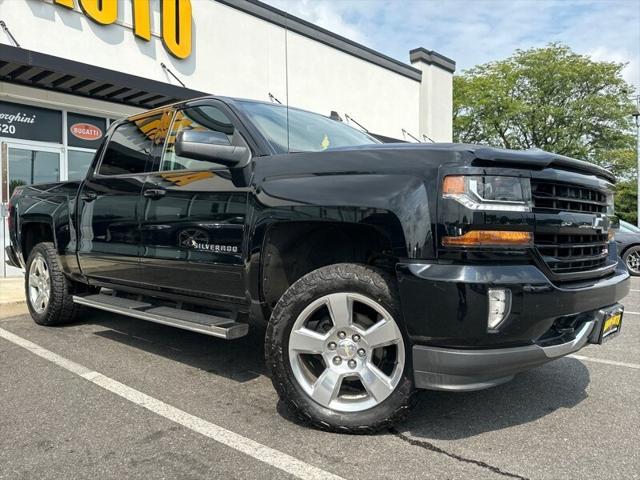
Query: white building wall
[436, 103]
[234, 54]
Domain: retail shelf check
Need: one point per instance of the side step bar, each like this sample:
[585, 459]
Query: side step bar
[196, 322]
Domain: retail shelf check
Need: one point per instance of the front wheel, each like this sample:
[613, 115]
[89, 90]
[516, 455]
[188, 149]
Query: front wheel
[631, 259]
[337, 352]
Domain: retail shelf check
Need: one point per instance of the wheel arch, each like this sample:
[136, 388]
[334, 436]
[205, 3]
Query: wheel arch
[33, 232]
[627, 247]
[294, 248]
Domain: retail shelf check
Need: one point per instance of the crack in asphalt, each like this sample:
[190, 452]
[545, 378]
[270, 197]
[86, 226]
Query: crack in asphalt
[432, 448]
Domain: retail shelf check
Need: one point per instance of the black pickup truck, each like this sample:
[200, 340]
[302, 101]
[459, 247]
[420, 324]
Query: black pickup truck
[376, 268]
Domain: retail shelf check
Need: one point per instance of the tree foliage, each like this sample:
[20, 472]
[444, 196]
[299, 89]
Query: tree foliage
[554, 99]
[626, 198]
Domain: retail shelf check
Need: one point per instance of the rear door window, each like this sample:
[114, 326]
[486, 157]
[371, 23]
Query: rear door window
[129, 146]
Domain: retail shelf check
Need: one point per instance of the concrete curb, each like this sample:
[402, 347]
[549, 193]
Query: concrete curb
[12, 297]
[10, 309]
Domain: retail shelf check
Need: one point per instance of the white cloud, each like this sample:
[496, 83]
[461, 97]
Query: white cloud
[631, 72]
[473, 32]
[323, 14]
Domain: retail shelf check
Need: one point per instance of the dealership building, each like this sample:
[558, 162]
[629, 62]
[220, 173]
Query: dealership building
[70, 67]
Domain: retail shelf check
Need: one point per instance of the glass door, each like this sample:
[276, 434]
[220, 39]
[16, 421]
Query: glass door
[23, 164]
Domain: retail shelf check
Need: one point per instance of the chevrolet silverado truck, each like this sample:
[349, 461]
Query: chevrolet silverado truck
[375, 269]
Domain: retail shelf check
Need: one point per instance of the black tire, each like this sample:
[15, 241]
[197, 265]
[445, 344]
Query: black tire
[370, 282]
[60, 308]
[628, 256]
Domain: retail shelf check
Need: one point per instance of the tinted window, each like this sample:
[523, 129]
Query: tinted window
[300, 131]
[129, 146]
[201, 118]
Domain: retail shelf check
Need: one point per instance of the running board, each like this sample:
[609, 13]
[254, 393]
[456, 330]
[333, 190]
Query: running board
[212, 325]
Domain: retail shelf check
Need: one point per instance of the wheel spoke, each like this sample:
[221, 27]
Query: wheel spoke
[33, 279]
[326, 387]
[376, 382]
[340, 308]
[307, 341]
[39, 299]
[382, 334]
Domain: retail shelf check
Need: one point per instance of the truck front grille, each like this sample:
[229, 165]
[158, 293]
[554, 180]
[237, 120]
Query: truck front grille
[551, 197]
[565, 253]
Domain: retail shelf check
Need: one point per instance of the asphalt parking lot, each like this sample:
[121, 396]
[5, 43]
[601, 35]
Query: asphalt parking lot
[113, 397]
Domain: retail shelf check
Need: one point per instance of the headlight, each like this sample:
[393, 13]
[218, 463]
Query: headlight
[511, 194]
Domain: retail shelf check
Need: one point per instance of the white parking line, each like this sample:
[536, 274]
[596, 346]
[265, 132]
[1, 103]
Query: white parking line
[606, 362]
[634, 290]
[627, 312]
[265, 454]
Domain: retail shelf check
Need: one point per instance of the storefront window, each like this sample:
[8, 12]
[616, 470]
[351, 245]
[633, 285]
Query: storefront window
[79, 162]
[32, 166]
[41, 130]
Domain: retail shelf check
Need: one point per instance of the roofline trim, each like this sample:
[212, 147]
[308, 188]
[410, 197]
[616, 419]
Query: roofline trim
[295, 24]
[430, 57]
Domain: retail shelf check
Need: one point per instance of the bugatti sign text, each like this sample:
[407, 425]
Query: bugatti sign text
[175, 18]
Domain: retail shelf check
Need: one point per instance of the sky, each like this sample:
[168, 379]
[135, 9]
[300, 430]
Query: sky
[474, 32]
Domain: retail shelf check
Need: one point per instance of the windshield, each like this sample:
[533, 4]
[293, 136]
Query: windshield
[308, 132]
[628, 227]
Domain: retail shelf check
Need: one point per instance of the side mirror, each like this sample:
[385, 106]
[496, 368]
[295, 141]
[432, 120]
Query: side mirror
[209, 146]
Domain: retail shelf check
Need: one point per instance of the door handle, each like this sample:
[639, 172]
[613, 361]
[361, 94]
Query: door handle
[154, 193]
[89, 196]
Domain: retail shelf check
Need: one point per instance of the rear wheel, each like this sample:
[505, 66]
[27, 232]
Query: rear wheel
[631, 259]
[336, 351]
[48, 291]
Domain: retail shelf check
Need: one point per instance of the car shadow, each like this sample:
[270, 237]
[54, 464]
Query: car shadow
[530, 396]
[240, 360]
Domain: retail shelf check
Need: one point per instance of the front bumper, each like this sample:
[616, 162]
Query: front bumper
[445, 311]
[465, 370]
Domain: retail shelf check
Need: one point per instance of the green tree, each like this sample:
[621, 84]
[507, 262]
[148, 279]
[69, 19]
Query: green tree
[554, 99]
[626, 198]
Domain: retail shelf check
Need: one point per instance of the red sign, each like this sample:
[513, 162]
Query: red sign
[85, 131]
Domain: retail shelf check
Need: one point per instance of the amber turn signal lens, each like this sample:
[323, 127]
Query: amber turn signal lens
[453, 185]
[476, 238]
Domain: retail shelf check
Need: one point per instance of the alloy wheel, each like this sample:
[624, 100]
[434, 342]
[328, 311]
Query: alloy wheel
[633, 261]
[39, 284]
[346, 352]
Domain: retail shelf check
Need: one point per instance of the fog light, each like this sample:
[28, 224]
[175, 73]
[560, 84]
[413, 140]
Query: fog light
[499, 307]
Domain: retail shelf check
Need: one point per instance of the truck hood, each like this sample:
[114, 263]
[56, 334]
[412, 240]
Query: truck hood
[483, 155]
